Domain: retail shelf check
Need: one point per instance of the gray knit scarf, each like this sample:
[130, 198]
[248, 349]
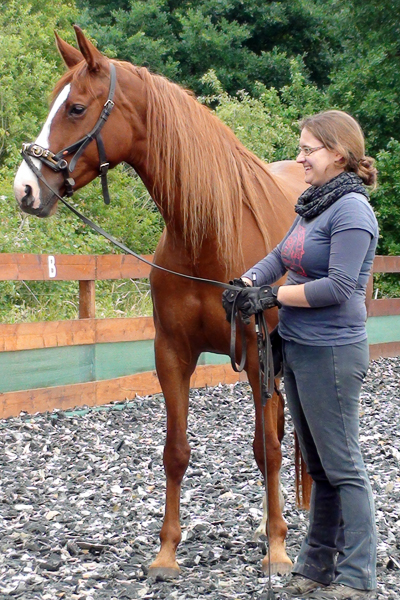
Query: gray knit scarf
[314, 200]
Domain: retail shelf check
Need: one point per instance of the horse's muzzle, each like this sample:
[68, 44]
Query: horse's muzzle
[26, 204]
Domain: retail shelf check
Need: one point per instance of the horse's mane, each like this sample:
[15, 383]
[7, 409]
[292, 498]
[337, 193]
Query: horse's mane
[216, 174]
[193, 150]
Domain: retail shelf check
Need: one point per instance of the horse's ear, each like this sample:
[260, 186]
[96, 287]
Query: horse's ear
[93, 57]
[70, 55]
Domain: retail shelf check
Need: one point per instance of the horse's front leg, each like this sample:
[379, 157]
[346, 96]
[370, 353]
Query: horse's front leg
[273, 417]
[174, 373]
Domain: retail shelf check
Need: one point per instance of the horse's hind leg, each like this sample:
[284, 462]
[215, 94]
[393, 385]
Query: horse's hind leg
[280, 562]
[174, 375]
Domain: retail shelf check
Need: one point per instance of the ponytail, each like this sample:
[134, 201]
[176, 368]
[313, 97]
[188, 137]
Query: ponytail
[366, 170]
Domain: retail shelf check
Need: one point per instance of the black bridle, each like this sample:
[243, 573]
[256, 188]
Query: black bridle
[57, 162]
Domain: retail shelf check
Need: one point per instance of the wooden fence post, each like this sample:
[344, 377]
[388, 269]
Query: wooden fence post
[87, 299]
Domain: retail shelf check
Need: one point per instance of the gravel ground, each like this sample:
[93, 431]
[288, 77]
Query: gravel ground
[82, 497]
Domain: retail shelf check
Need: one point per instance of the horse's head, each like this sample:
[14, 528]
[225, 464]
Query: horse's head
[81, 104]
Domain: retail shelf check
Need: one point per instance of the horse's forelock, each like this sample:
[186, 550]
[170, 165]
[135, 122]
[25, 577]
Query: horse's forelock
[78, 74]
[61, 83]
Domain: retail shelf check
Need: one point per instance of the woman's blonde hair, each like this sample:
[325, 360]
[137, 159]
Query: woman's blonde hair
[339, 131]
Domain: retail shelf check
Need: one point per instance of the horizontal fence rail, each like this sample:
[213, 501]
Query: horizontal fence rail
[89, 361]
[64, 267]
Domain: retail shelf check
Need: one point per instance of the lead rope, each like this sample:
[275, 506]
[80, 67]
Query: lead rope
[110, 238]
[266, 379]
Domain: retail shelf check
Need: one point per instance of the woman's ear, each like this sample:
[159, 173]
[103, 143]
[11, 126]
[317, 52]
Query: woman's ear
[339, 159]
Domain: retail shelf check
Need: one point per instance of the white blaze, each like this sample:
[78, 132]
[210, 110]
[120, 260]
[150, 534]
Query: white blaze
[24, 174]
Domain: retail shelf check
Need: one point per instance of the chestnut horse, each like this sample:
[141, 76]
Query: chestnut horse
[224, 209]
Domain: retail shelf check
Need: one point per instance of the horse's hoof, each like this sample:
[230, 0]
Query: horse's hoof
[163, 573]
[281, 568]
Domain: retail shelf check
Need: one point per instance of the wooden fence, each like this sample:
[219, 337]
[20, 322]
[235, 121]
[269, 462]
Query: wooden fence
[89, 361]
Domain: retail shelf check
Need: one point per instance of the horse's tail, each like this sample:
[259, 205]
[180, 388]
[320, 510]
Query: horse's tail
[303, 479]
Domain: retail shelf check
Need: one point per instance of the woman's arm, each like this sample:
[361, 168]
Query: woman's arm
[293, 295]
[268, 270]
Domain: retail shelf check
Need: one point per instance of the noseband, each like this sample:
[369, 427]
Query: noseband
[57, 162]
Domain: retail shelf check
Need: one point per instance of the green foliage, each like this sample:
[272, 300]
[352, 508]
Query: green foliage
[28, 301]
[349, 49]
[29, 64]
[242, 41]
[268, 123]
[365, 79]
[142, 35]
[387, 285]
[386, 198]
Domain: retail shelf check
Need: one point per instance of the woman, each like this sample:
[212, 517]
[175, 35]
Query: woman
[328, 254]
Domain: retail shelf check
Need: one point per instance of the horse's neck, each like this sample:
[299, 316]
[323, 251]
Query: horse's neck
[208, 262]
[170, 211]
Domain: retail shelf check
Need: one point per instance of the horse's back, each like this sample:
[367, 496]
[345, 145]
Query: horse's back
[290, 176]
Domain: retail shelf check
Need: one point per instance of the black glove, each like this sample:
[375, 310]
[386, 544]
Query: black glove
[252, 300]
[229, 296]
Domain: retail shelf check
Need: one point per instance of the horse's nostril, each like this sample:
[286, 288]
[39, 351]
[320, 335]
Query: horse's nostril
[28, 198]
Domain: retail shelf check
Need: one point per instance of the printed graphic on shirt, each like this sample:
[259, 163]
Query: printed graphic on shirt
[293, 250]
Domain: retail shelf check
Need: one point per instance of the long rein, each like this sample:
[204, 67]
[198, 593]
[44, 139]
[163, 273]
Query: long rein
[226, 286]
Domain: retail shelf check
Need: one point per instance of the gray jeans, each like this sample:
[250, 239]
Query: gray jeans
[323, 385]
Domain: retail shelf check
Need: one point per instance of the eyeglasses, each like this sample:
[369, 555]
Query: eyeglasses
[306, 150]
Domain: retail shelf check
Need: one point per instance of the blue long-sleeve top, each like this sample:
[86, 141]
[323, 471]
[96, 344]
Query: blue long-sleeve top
[332, 255]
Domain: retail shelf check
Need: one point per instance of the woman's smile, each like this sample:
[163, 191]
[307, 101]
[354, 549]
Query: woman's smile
[322, 164]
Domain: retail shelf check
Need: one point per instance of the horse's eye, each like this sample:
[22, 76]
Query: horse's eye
[77, 110]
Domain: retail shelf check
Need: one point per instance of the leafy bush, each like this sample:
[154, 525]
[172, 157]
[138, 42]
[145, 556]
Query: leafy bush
[386, 198]
[242, 41]
[29, 64]
[268, 123]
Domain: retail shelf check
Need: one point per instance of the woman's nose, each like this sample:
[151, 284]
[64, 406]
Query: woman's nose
[300, 157]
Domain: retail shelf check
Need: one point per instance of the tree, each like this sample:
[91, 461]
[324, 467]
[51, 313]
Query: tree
[269, 123]
[386, 198]
[242, 42]
[30, 65]
[365, 79]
